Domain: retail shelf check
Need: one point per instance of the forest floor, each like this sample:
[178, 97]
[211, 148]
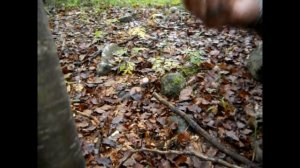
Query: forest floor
[117, 112]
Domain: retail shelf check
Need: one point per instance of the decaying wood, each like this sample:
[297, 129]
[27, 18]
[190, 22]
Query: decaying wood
[203, 133]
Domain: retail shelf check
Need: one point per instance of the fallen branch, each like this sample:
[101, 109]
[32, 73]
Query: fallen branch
[203, 133]
[190, 153]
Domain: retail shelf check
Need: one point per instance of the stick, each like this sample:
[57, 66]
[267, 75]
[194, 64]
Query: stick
[191, 153]
[202, 132]
[95, 54]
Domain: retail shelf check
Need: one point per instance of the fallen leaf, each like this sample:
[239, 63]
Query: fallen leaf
[138, 157]
[99, 110]
[104, 161]
[83, 75]
[183, 138]
[81, 57]
[82, 124]
[78, 87]
[68, 75]
[232, 135]
[214, 52]
[180, 160]
[88, 148]
[246, 131]
[249, 109]
[196, 161]
[185, 94]
[194, 108]
[94, 101]
[136, 93]
[137, 165]
[109, 142]
[89, 129]
[87, 112]
[68, 88]
[165, 163]
[145, 116]
[117, 120]
[161, 120]
[106, 107]
[211, 152]
[130, 162]
[109, 83]
[211, 123]
[240, 125]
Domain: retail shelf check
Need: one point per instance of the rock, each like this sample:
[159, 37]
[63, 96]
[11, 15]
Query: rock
[104, 67]
[172, 84]
[108, 51]
[127, 18]
[173, 9]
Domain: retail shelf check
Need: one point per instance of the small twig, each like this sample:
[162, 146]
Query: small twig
[95, 54]
[191, 153]
[203, 133]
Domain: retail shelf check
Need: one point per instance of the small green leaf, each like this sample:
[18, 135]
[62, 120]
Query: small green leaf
[98, 34]
[127, 67]
[196, 57]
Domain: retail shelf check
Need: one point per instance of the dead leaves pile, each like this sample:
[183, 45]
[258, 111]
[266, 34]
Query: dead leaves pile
[117, 112]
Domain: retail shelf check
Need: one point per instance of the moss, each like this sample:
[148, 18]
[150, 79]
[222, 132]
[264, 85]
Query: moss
[172, 84]
[189, 71]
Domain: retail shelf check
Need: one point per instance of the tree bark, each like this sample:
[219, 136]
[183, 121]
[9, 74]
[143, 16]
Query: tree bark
[58, 143]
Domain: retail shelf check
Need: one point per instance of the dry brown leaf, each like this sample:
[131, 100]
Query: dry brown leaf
[185, 94]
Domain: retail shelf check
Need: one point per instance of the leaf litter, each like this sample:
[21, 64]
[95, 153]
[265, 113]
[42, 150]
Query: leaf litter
[222, 97]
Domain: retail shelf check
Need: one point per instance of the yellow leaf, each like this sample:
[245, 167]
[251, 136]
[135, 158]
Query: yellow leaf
[138, 31]
[79, 87]
[68, 88]
[67, 76]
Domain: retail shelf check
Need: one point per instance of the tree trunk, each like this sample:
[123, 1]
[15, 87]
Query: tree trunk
[58, 144]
